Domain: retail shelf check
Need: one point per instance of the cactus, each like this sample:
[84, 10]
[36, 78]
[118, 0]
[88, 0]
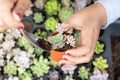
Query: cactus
[51, 24]
[100, 63]
[38, 17]
[99, 48]
[65, 13]
[10, 68]
[52, 7]
[84, 73]
[40, 67]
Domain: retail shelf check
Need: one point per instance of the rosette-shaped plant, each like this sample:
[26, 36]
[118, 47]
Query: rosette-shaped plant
[38, 17]
[84, 73]
[66, 3]
[68, 78]
[98, 75]
[25, 44]
[40, 67]
[65, 13]
[38, 51]
[51, 24]
[53, 75]
[41, 33]
[40, 3]
[10, 68]
[52, 7]
[100, 63]
[99, 48]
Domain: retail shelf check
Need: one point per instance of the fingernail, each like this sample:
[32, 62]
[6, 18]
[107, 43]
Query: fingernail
[64, 58]
[62, 64]
[20, 27]
[68, 54]
[17, 16]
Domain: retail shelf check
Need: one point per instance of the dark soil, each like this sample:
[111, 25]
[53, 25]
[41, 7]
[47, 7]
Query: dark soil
[44, 44]
[115, 41]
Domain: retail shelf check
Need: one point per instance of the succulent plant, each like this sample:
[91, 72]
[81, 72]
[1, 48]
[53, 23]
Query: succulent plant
[38, 51]
[52, 7]
[98, 75]
[53, 75]
[66, 3]
[84, 73]
[51, 24]
[25, 76]
[38, 17]
[100, 63]
[40, 3]
[99, 48]
[68, 78]
[59, 40]
[25, 44]
[65, 13]
[41, 33]
[40, 67]
[79, 4]
[10, 68]
[69, 69]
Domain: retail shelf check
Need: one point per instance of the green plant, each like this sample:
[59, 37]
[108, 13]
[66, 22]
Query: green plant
[99, 48]
[40, 67]
[25, 44]
[38, 17]
[66, 3]
[65, 13]
[59, 40]
[68, 78]
[10, 68]
[41, 33]
[25, 76]
[52, 7]
[100, 63]
[38, 51]
[84, 73]
[51, 24]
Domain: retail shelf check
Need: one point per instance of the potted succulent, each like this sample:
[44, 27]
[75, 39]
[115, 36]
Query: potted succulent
[65, 13]
[51, 23]
[52, 7]
[99, 48]
[38, 17]
[60, 42]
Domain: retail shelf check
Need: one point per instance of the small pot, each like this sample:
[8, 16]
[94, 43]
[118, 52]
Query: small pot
[56, 55]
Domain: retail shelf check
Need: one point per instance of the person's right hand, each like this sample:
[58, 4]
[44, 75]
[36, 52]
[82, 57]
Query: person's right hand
[11, 12]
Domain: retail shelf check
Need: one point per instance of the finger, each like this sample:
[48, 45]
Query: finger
[21, 7]
[9, 21]
[80, 51]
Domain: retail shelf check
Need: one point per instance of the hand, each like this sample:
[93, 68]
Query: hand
[89, 20]
[11, 12]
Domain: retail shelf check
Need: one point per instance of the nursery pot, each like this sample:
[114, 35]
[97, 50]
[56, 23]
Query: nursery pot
[56, 55]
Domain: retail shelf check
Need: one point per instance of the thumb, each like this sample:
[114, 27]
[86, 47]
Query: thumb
[21, 7]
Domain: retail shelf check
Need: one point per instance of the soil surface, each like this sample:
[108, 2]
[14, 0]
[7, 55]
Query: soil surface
[115, 42]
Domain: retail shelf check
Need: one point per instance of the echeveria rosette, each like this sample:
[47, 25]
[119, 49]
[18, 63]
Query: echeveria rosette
[84, 73]
[66, 3]
[25, 76]
[51, 24]
[99, 75]
[68, 78]
[53, 75]
[100, 63]
[38, 17]
[99, 48]
[52, 7]
[65, 13]
[24, 43]
[10, 68]
[40, 67]
[38, 51]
